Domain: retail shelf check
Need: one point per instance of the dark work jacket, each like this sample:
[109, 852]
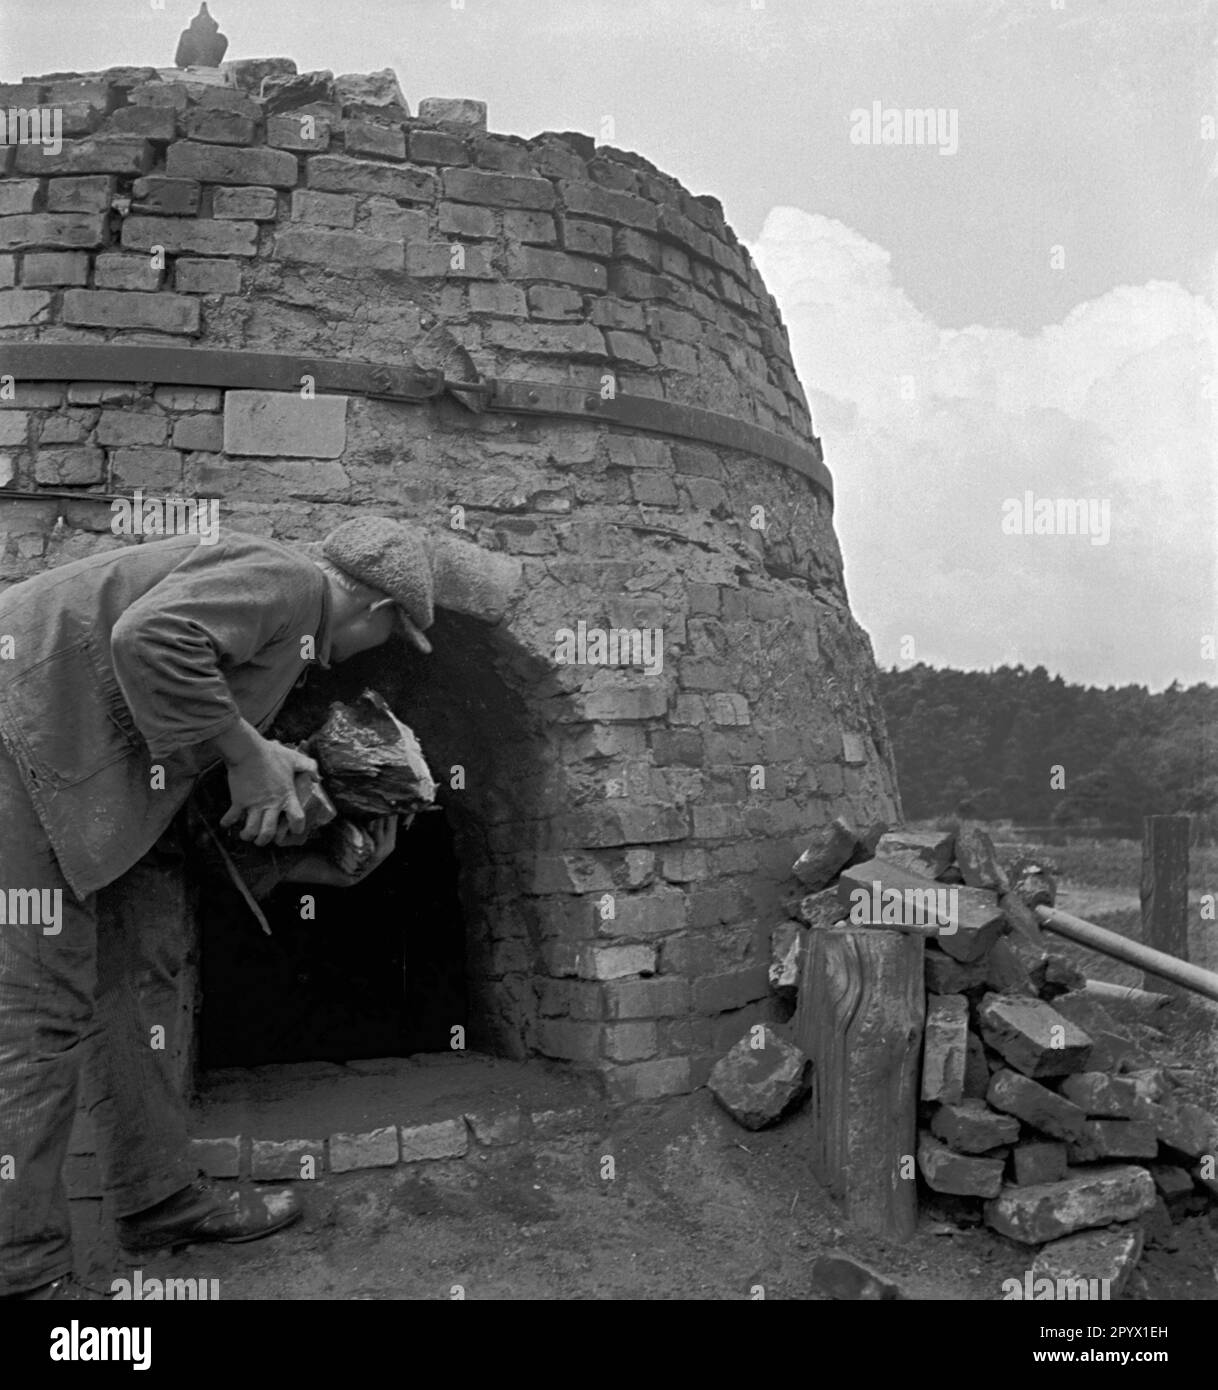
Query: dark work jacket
[126, 662]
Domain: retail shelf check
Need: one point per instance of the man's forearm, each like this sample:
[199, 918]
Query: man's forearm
[237, 743]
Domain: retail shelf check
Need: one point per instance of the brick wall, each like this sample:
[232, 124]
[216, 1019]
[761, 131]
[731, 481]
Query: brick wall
[351, 230]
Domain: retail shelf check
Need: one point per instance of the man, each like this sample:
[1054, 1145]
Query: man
[129, 675]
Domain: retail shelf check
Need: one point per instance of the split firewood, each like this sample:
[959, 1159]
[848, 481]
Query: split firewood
[370, 762]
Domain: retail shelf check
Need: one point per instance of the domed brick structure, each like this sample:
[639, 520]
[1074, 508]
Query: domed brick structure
[250, 285]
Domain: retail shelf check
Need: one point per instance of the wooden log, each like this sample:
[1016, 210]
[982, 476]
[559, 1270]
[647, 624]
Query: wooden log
[1109, 943]
[1165, 886]
[860, 1016]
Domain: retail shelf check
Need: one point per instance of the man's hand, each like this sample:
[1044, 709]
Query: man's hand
[261, 782]
[384, 832]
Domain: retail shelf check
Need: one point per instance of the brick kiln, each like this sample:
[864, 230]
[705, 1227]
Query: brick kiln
[251, 285]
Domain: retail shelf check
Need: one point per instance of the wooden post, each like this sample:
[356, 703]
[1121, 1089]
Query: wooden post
[1165, 888]
[862, 1005]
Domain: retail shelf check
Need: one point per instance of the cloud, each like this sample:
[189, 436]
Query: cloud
[928, 431]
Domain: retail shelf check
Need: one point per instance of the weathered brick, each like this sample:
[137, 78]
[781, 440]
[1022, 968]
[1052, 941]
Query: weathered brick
[305, 132]
[714, 994]
[347, 251]
[192, 276]
[613, 313]
[611, 703]
[18, 196]
[146, 467]
[102, 155]
[462, 219]
[280, 1160]
[329, 209]
[666, 995]
[1047, 1211]
[116, 428]
[14, 428]
[91, 193]
[1114, 1139]
[1097, 1093]
[533, 263]
[218, 1158]
[441, 1139]
[183, 235]
[167, 313]
[614, 962]
[383, 218]
[375, 1148]
[571, 999]
[586, 238]
[199, 434]
[497, 299]
[103, 393]
[119, 272]
[591, 200]
[536, 228]
[498, 190]
[425, 259]
[253, 203]
[155, 123]
[649, 914]
[70, 467]
[569, 1040]
[1037, 1106]
[54, 268]
[1037, 1163]
[462, 113]
[370, 138]
[633, 283]
[555, 302]
[637, 1081]
[630, 347]
[630, 1042]
[338, 174]
[550, 1124]
[219, 127]
[21, 307]
[496, 1127]
[278, 424]
[52, 230]
[225, 164]
[188, 397]
[971, 1127]
[437, 147]
[168, 197]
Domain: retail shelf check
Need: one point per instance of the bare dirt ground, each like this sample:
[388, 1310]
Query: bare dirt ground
[697, 1208]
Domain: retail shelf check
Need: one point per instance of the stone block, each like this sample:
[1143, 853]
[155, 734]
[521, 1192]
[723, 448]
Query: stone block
[251, 204]
[375, 1148]
[278, 424]
[155, 469]
[830, 850]
[1032, 1037]
[971, 1127]
[1174, 1183]
[976, 859]
[165, 313]
[944, 1048]
[947, 976]
[14, 428]
[534, 228]
[821, 909]
[498, 190]
[1112, 1048]
[52, 231]
[555, 302]
[638, 1081]
[339, 174]
[1115, 1139]
[54, 267]
[229, 164]
[205, 276]
[730, 989]
[630, 1042]
[462, 219]
[591, 200]
[928, 853]
[199, 236]
[115, 271]
[757, 1085]
[461, 113]
[1039, 1163]
[1036, 1105]
[373, 140]
[119, 428]
[441, 1139]
[1093, 1260]
[425, 259]
[349, 252]
[1098, 1093]
[497, 299]
[945, 1171]
[156, 123]
[570, 1040]
[536, 263]
[1005, 972]
[788, 943]
[166, 197]
[1048, 1211]
[1184, 1127]
[218, 1158]
[614, 962]
[437, 147]
[199, 434]
[375, 89]
[663, 996]
[496, 1127]
[284, 1160]
[187, 397]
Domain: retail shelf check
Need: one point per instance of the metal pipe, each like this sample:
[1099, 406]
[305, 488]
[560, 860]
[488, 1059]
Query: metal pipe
[1109, 943]
[1126, 994]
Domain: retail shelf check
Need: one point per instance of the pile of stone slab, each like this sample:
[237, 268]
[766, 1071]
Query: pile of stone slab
[1039, 1115]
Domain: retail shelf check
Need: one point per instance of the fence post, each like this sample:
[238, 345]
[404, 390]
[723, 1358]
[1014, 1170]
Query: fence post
[1165, 890]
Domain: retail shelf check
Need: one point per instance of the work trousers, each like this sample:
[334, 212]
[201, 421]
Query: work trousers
[97, 1004]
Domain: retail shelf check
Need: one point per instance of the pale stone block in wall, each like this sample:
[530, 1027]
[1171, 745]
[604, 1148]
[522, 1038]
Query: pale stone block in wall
[278, 424]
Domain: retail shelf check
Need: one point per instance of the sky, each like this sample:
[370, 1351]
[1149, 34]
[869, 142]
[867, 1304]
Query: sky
[1019, 316]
